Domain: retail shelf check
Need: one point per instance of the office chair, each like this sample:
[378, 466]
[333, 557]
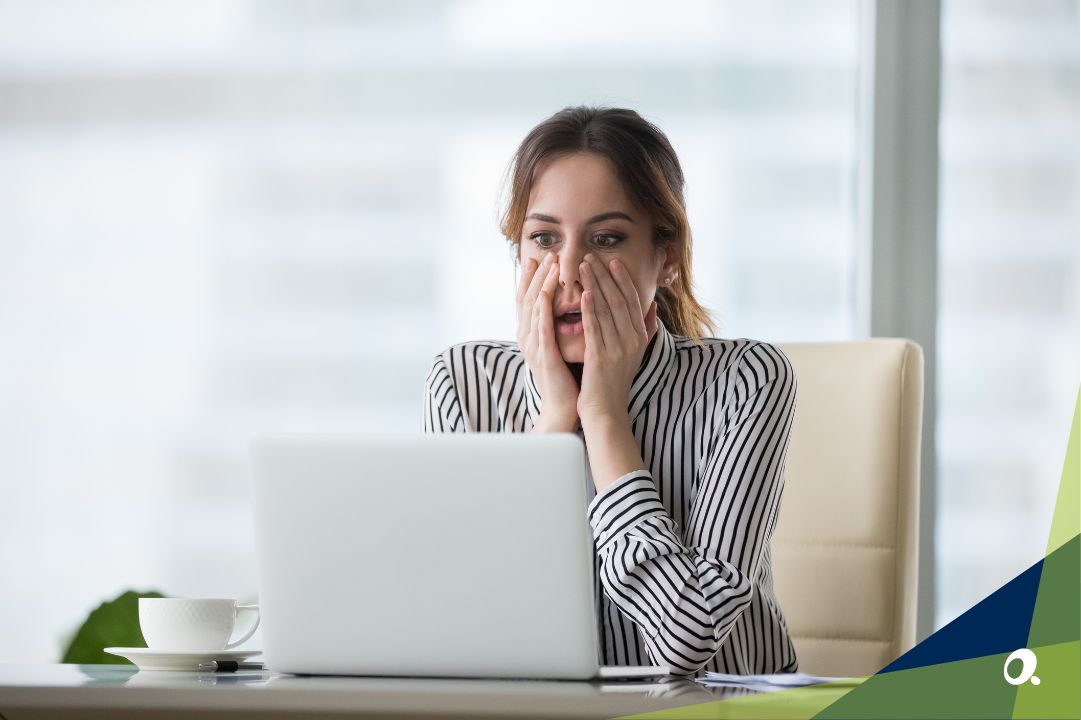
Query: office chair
[845, 546]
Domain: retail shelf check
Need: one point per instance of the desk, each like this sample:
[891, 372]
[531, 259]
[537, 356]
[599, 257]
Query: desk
[120, 691]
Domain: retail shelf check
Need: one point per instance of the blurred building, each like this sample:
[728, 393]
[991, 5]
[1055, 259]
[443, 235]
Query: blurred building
[226, 217]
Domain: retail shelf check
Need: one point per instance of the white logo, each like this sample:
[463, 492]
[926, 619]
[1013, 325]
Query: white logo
[1028, 667]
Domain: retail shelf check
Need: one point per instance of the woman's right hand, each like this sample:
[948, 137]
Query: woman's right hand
[537, 341]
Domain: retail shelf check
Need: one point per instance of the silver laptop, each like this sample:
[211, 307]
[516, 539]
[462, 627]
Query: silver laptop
[444, 555]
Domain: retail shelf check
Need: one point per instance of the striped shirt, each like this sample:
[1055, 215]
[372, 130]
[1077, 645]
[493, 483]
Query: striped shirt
[682, 548]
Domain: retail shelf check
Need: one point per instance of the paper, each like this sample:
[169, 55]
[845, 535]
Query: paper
[770, 683]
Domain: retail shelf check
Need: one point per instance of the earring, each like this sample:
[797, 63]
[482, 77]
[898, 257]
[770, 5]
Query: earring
[667, 281]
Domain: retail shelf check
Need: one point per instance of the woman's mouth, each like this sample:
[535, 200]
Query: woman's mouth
[569, 323]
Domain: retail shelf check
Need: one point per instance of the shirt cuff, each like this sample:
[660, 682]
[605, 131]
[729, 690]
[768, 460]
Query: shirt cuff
[625, 503]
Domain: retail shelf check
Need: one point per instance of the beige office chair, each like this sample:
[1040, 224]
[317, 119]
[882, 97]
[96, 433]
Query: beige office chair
[844, 549]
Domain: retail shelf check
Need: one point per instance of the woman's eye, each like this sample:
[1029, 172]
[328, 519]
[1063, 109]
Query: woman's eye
[546, 240]
[538, 238]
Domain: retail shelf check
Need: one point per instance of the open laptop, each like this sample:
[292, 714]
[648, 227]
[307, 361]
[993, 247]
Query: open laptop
[444, 555]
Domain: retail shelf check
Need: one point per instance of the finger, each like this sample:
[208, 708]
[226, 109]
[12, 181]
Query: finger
[544, 299]
[602, 314]
[548, 310]
[534, 322]
[594, 341]
[616, 303]
[549, 347]
[542, 321]
[542, 281]
[525, 309]
[525, 304]
[551, 279]
[626, 286]
[536, 280]
[545, 291]
[546, 332]
[529, 267]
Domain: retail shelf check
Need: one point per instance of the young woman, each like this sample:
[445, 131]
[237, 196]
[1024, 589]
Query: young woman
[685, 435]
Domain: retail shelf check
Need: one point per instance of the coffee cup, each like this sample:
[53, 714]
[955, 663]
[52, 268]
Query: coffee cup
[192, 625]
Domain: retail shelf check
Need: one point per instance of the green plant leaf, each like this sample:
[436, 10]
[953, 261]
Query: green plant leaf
[113, 624]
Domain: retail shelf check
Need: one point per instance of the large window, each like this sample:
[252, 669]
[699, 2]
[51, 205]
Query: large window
[224, 217]
[1008, 287]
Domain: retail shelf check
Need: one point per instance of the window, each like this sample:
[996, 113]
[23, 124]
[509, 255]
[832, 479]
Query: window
[1008, 288]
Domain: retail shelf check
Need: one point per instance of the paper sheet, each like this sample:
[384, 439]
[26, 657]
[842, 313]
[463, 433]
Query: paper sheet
[769, 683]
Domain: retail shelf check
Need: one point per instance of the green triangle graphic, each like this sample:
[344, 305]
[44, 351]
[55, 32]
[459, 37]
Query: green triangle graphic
[1059, 693]
[793, 704]
[972, 688]
[1055, 635]
[1056, 615]
[1066, 522]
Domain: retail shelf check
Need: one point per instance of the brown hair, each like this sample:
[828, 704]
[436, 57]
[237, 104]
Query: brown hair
[649, 170]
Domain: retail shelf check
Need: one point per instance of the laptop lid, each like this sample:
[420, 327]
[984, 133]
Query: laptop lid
[445, 555]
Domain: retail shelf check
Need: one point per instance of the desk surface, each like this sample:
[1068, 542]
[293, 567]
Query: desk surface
[118, 691]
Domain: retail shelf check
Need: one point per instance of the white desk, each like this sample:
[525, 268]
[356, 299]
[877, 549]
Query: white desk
[120, 691]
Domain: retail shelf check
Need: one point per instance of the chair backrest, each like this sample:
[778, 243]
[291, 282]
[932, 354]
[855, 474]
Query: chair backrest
[844, 550]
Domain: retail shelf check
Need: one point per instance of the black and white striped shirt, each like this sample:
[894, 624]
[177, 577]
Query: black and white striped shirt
[682, 549]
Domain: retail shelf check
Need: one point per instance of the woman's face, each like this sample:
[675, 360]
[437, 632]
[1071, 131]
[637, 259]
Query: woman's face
[577, 206]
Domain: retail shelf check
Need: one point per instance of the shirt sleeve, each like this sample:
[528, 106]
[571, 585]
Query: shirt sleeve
[442, 408]
[686, 590]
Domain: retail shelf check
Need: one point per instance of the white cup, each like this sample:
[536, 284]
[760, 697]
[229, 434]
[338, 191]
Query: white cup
[187, 625]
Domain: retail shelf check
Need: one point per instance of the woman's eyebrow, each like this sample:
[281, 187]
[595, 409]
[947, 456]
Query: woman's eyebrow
[611, 215]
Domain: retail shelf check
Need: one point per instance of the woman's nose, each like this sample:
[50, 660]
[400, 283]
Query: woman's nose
[568, 268]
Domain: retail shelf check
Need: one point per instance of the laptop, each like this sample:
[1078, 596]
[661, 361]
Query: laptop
[442, 555]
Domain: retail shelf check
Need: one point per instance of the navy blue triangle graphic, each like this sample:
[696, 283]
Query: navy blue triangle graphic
[997, 624]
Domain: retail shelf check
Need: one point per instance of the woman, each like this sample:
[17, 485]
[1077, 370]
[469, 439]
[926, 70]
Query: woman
[685, 436]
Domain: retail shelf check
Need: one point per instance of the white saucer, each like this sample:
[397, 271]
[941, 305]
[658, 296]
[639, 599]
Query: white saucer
[147, 659]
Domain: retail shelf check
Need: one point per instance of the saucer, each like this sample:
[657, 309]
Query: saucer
[147, 659]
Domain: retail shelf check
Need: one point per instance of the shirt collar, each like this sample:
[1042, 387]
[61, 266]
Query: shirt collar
[655, 365]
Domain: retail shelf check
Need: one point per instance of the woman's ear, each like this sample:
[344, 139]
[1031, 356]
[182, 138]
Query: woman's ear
[669, 264]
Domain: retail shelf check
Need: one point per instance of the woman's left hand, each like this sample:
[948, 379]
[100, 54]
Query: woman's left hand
[616, 336]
